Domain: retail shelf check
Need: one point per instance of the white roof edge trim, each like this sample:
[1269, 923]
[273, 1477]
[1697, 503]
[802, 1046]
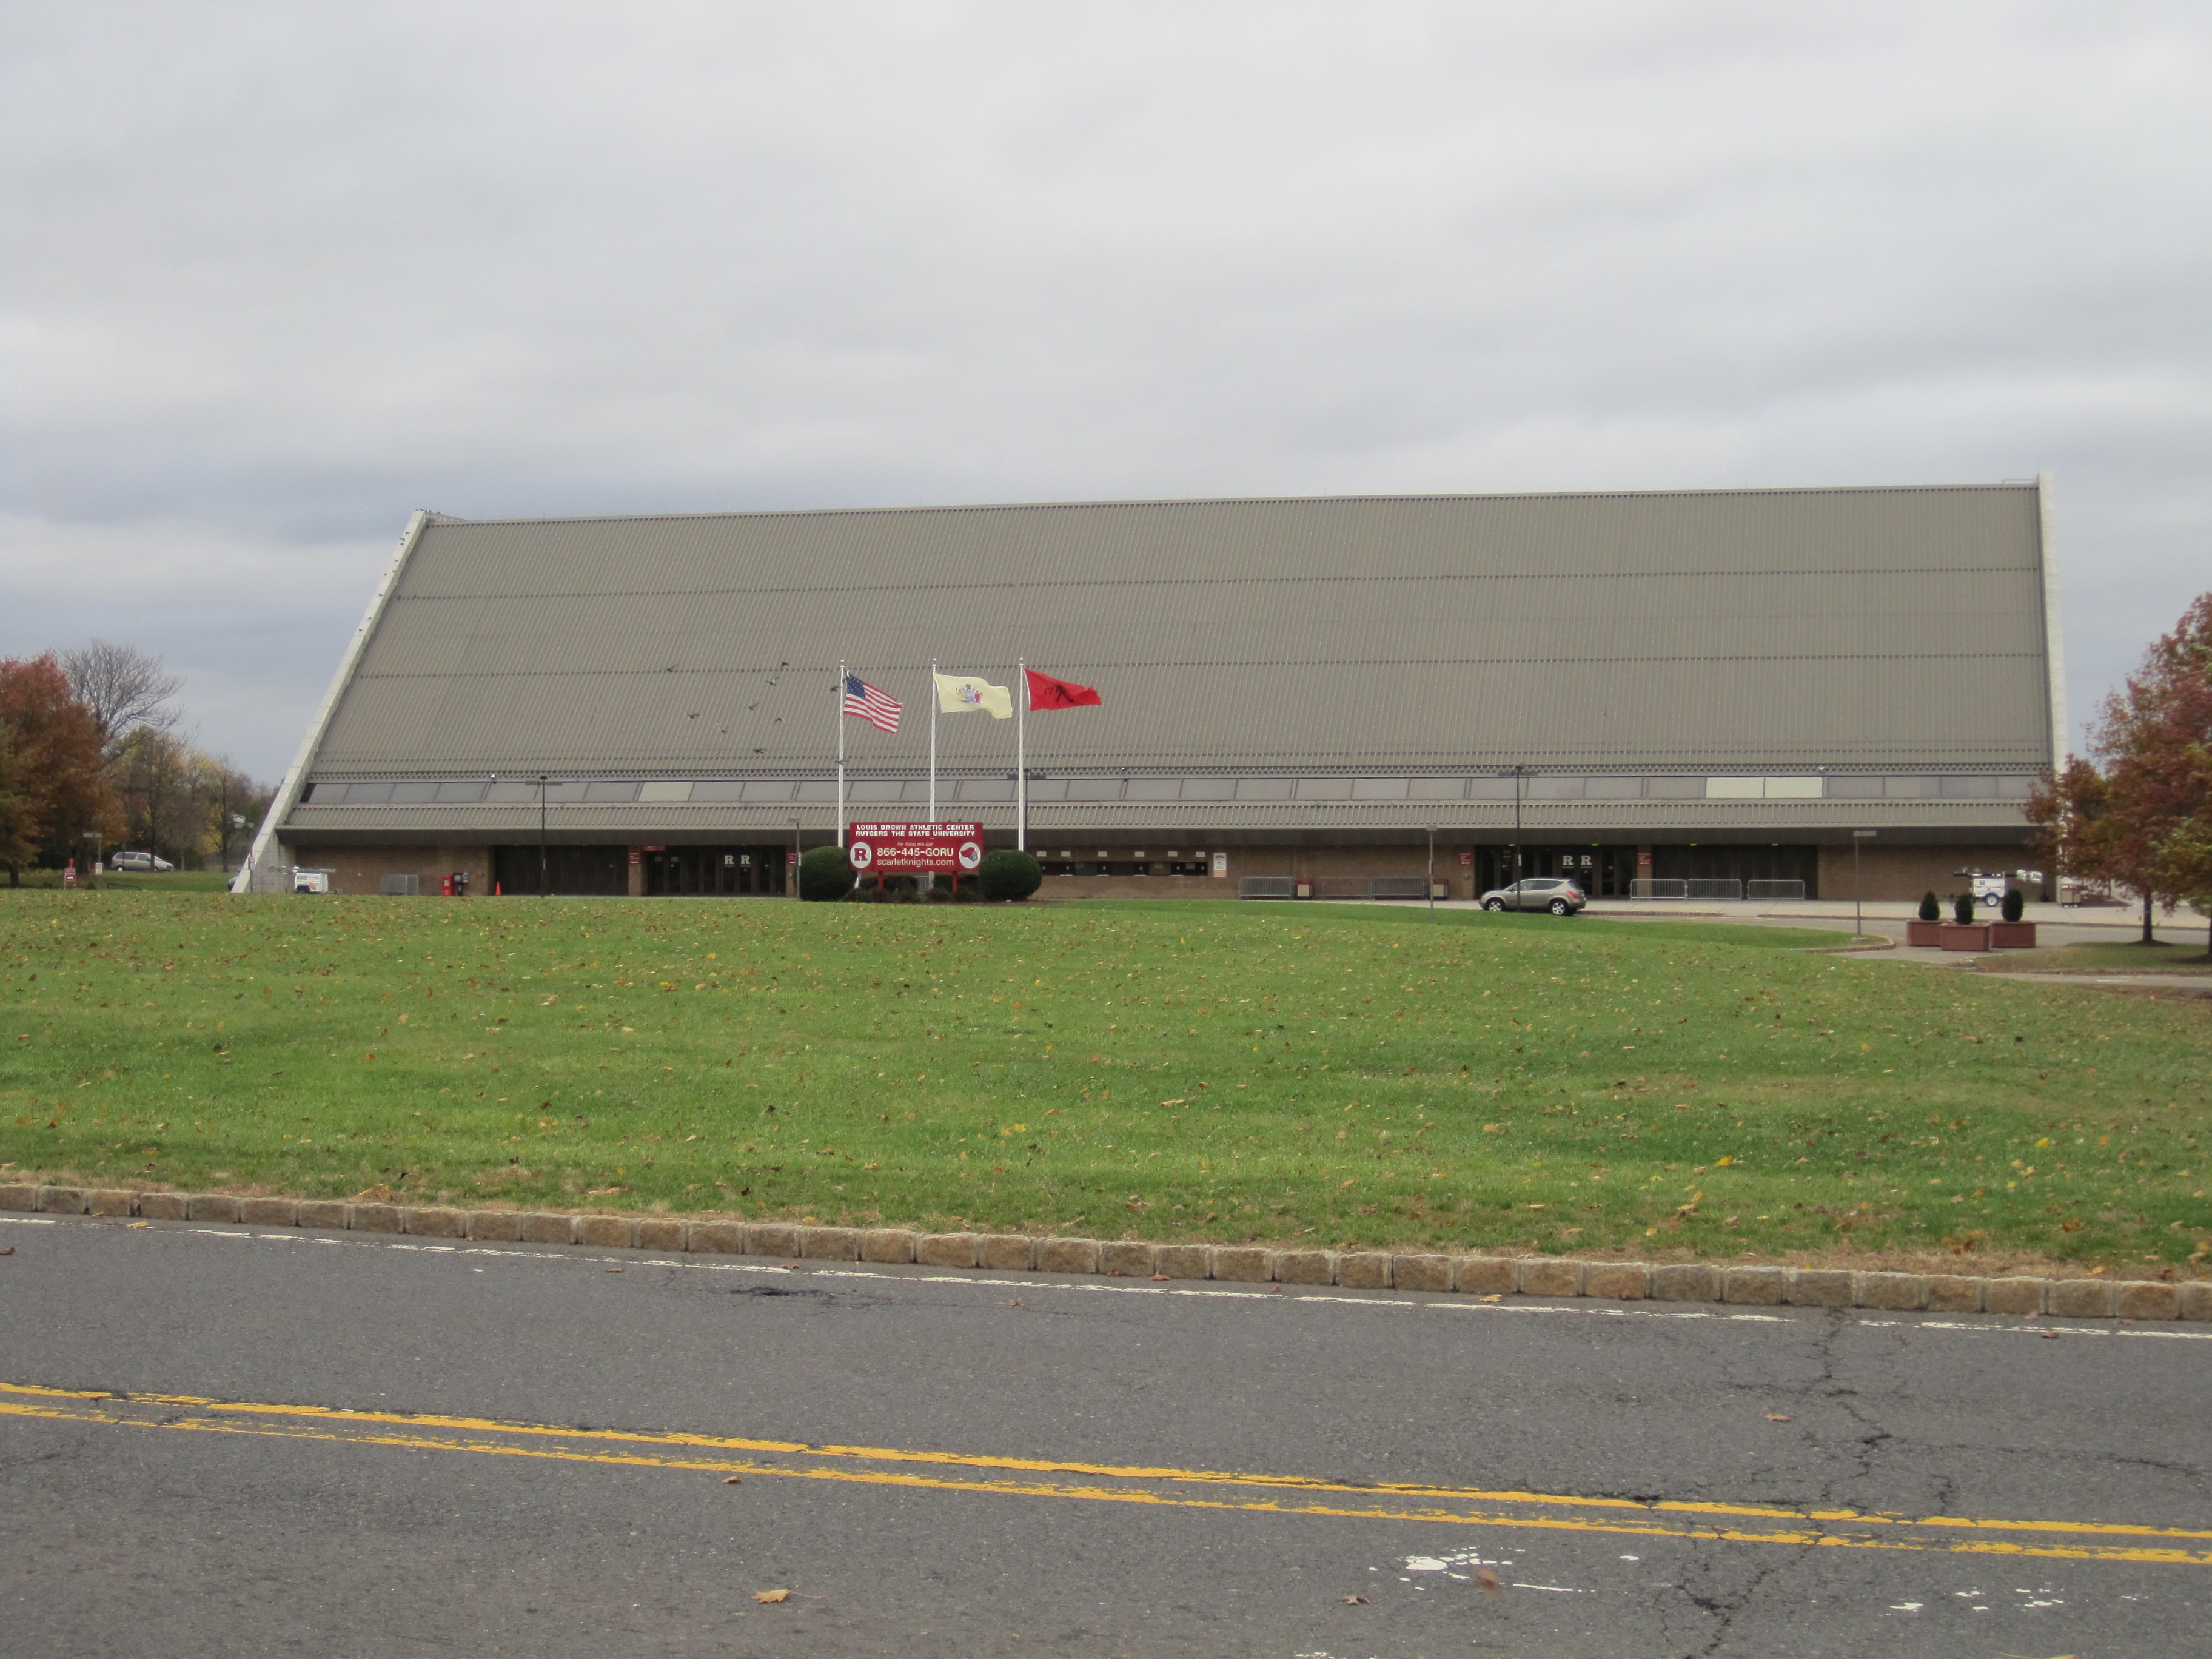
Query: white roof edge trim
[288, 793]
[2062, 742]
[447, 521]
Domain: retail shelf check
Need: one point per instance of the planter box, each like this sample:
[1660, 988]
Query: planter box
[2012, 935]
[1965, 935]
[1928, 933]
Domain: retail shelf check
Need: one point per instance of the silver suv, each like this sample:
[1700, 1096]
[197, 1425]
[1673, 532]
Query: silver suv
[1561, 897]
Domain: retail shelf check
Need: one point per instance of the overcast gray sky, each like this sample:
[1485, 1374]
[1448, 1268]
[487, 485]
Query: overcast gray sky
[277, 274]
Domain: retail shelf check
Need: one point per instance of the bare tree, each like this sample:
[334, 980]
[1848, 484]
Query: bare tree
[125, 688]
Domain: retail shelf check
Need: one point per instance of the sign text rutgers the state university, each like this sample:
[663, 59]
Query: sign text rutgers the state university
[892, 849]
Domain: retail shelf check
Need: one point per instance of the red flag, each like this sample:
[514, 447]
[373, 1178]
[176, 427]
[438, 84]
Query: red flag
[1046, 692]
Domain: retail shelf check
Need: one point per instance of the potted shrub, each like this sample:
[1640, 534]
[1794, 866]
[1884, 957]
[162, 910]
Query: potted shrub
[1927, 928]
[1962, 932]
[2013, 933]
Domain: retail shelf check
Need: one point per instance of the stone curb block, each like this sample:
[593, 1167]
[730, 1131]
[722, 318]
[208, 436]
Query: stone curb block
[1421, 1272]
[1067, 1255]
[2013, 1295]
[829, 1244]
[1485, 1275]
[1953, 1293]
[1617, 1281]
[1819, 1287]
[2146, 1298]
[717, 1237]
[1239, 1264]
[660, 1232]
[1475, 1275]
[604, 1232]
[534, 1226]
[772, 1239]
[1757, 1287]
[1183, 1260]
[1685, 1281]
[946, 1249]
[1363, 1270]
[1305, 1267]
[891, 1245]
[1895, 1292]
[1126, 1258]
[2078, 1299]
[1547, 1275]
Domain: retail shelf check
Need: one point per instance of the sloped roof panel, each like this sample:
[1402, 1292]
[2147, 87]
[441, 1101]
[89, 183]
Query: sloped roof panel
[1735, 630]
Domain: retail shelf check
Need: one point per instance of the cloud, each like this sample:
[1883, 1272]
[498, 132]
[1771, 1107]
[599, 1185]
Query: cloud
[280, 275]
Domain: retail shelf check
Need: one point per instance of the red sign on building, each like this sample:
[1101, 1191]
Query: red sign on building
[911, 848]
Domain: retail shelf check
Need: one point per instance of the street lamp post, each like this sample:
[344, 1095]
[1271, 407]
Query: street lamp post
[544, 887]
[1859, 838]
[1518, 773]
[92, 860]
[1432, 869]
[790, 887]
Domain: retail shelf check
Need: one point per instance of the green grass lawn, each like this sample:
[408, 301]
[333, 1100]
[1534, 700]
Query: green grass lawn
[1292, 1074]
[2103, 957]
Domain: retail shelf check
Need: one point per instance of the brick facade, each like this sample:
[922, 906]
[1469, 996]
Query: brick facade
[1894, 873]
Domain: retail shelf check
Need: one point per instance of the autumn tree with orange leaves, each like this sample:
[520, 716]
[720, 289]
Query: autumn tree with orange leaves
[53, 784]
[2139, 812]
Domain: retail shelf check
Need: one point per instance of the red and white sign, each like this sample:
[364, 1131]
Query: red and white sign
[1467, 858]
[894, 849]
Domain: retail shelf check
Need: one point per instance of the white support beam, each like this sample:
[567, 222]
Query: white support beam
[265, 844]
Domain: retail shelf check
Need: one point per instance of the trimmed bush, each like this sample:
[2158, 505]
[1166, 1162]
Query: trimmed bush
[2015, 906]
[1929, 909]
[1962, 909]
[1005, 875]
[824, 874]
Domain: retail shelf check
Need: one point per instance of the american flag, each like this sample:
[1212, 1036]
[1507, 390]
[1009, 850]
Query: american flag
[871, 705]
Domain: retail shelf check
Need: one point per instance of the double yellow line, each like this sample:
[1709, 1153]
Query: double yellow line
[1114, 1483]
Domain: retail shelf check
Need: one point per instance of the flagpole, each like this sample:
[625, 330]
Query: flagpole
[932, 739]
[1022, 757]
[841, 752]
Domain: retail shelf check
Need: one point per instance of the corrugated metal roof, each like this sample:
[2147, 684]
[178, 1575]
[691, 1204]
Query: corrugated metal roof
[1731, 631]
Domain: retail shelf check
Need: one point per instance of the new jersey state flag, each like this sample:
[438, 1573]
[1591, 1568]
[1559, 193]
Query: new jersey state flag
[958, 694]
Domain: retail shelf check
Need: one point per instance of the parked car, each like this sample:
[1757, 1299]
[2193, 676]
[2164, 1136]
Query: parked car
[138, 862]
[1559, 896]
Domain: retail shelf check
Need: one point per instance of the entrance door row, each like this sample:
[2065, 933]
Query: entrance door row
[1601, 872]
[714, 870]
[583, 871]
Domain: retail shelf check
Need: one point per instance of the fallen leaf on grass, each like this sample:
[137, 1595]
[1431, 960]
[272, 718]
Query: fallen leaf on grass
[1488, 1580]
[766, 1597]
[1355, 1600]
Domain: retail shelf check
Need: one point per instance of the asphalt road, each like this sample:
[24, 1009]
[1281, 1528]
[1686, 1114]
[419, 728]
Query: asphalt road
[221, 1442]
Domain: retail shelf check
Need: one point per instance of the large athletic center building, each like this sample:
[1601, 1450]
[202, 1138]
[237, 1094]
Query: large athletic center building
[1719, 685]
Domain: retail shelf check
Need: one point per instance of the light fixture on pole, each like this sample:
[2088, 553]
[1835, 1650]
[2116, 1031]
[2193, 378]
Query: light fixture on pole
[1859, 838]
[791, 887]
[1432, 869]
